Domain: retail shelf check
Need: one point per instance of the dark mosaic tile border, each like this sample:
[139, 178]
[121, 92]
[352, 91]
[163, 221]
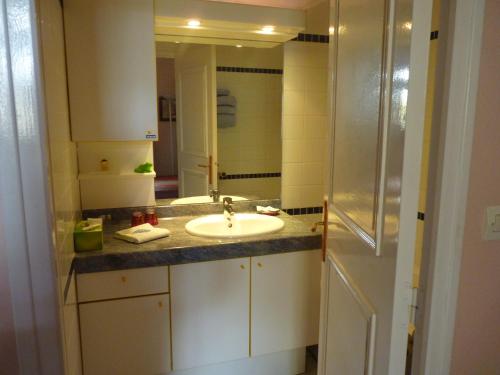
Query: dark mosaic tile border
[240, 69]
[314, 38]
[421, 216]
[224, 176]
[303, 210]
[434, 34]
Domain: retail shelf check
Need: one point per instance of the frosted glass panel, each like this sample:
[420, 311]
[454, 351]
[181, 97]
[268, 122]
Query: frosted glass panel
[360, 50]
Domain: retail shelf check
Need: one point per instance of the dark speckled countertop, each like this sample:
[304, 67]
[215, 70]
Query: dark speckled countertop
[181, 247]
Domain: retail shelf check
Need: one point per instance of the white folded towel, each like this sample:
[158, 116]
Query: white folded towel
[142, 233]
[267, 210]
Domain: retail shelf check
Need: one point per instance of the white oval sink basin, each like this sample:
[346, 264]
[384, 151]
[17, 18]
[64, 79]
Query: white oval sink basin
[205, 199]
[243, 225]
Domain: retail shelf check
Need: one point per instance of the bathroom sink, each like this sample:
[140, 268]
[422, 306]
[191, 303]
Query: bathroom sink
[205, 199]
[243, 225]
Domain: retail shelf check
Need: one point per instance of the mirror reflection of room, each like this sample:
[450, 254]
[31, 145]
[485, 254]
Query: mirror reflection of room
[247, 146]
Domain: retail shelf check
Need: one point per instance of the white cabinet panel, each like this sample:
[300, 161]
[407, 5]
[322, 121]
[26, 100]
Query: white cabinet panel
[285, 301]
[111, 69]
[210, 312]
[123, 283]
[127, 336]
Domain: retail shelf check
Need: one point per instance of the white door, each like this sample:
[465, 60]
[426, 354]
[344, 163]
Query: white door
[378, 61]
[210, 312]
[126, 336]
[196, 92]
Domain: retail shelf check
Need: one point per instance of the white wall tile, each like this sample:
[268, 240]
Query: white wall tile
[304, 123]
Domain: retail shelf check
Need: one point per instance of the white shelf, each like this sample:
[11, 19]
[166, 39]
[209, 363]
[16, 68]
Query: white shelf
[114, 175]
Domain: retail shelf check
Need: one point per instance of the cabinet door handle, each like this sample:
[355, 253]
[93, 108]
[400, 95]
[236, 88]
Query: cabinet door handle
[242, 266]
[124, 279]
[160, 304]
[259, 264]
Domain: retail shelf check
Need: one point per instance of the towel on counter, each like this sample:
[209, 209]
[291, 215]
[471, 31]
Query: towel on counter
[222, 92]
[226, 110]
[142, 233]
[226, 100]
[226, 120]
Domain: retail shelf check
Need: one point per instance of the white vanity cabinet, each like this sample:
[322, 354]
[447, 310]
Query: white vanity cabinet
[285, 301]
[210, 312]
[126, 336]
[125, 321]
[111, 69]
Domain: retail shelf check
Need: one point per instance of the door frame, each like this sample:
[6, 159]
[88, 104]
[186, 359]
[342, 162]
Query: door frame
[452, 136]
[26, 218]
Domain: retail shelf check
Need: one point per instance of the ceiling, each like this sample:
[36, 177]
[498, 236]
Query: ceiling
[289, 4]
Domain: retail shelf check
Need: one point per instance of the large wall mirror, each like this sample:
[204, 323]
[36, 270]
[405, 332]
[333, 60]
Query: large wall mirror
[219, 121]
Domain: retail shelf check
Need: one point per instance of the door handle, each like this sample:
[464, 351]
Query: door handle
[325, 228]
[209, 166]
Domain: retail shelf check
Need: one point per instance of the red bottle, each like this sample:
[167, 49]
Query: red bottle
[151, 217]
[137, 218]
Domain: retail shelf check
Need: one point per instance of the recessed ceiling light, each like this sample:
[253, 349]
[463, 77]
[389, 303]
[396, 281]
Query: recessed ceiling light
[177, 42]
[407, 25]
[239, 46]
[267, 29]
[194, 23]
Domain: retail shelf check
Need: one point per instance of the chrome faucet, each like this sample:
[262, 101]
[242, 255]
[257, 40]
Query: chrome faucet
[215, 195]
[227, 203]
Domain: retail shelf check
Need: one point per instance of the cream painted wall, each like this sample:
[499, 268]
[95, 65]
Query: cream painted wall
[476, 348]
[317, 18]
[304, 123]
[63, 167]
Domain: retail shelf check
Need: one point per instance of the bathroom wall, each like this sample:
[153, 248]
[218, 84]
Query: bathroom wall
[165, 149]
[253, 145]
[63, 167]
[477, 326]
[304, 123]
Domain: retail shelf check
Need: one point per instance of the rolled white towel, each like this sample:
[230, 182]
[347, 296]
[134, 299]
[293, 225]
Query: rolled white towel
[226, 109]
[226, 100]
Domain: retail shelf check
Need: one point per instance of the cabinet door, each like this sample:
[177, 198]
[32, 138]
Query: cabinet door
[210, 312]
[285, 301]
[111, 69]
[126, 336]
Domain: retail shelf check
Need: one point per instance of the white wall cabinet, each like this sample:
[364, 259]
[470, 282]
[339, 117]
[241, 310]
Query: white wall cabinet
[285, 301]
[210, 312]
[111, 69]
[126, 336]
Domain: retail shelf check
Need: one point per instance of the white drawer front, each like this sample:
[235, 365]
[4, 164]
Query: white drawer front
[119, 284]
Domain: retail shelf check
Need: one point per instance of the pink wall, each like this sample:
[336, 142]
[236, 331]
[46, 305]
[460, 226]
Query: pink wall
[476, 348]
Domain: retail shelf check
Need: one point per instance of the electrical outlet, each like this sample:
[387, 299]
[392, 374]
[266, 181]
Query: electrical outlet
[492, 223]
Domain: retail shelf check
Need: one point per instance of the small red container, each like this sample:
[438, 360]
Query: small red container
[151, 217]
[137, 218]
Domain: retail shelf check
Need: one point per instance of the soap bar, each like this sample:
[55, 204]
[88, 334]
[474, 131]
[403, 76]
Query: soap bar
[88, 236]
